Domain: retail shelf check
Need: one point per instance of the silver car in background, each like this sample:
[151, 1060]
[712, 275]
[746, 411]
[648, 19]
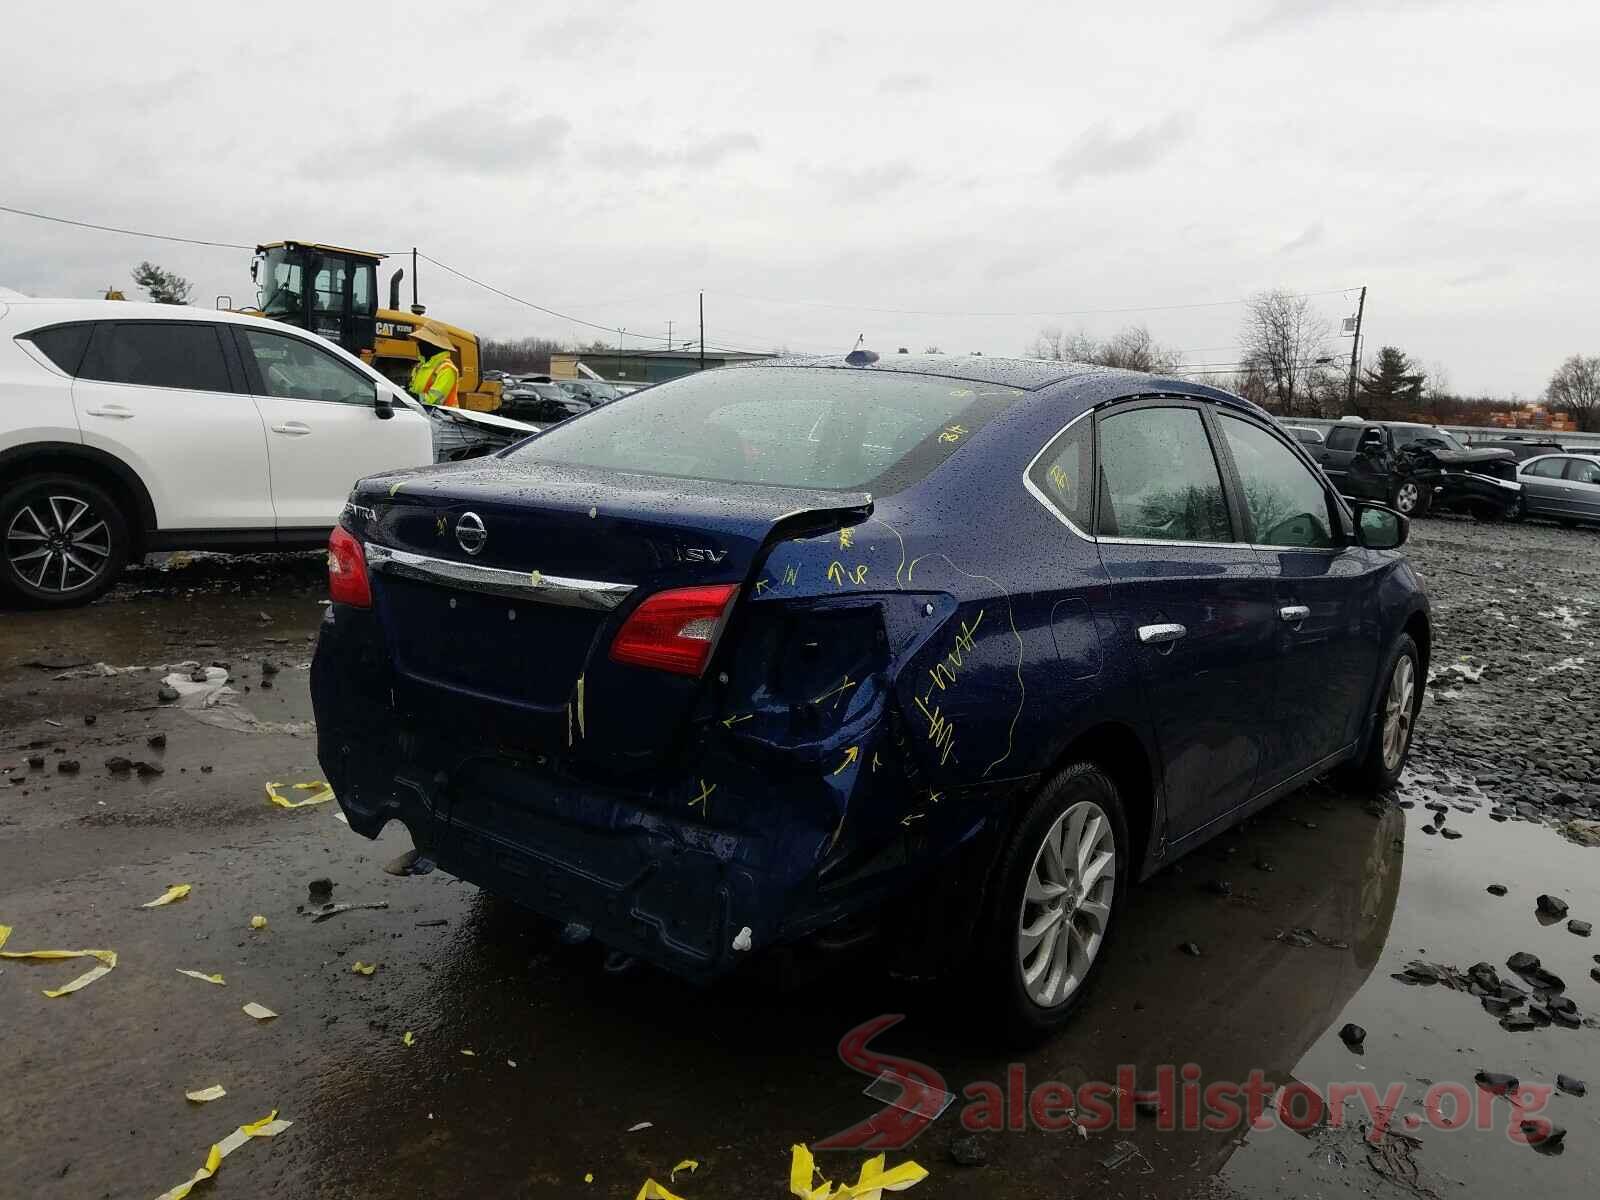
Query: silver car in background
[1565, 487]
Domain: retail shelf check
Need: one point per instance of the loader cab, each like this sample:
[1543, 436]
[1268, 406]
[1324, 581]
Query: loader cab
[331, 291]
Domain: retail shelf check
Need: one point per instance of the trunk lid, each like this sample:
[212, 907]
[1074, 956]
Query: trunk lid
[501, 586]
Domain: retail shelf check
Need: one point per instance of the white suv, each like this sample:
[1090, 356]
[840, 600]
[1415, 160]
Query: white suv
[128, 427]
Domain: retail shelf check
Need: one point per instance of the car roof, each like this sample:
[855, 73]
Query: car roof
[36, 311]
[1029, 374]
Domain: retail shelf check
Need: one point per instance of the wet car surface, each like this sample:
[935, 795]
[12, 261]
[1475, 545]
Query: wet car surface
[1329, 895]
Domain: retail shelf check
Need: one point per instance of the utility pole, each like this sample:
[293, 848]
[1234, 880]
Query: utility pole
[702, 331]
[1355, 356]
[620, 332]
[669, 336]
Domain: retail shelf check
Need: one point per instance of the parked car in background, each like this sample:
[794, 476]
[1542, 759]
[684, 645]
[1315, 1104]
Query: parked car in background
[1565, 487]
[128, 427]
[940, 655]
[1522, 449]
[540, 404]
[1417, 468]
[590, 390]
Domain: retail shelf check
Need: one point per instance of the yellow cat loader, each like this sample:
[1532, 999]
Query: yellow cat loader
[333, 292]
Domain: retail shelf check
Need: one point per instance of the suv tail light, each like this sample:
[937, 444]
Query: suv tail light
[347, 570]
[675, 630]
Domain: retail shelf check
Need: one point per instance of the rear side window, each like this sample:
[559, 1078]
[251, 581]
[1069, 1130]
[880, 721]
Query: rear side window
[64, 344]
[1159, 478]
[1064, 475]
[1344, 437]
[786, 426]
[1287, 505]
[1582, 471]
[158, 354]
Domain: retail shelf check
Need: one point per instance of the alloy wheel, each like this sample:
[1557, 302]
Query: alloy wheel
[1405, 499]
[1067, 904]
[59, 545]
[1397, 711]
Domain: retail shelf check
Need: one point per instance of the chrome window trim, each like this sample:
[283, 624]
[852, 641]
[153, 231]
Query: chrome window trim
[1037, 494]
[597, 595]
[1050, 507]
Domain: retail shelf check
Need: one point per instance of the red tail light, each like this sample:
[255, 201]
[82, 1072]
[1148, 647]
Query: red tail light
[676, 629]
[347, 570]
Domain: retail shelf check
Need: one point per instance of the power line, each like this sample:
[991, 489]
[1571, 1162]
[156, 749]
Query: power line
[1065, 312]
[160, 237]
[489, 287]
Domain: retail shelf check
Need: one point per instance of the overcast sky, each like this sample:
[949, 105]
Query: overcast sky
[985, 169]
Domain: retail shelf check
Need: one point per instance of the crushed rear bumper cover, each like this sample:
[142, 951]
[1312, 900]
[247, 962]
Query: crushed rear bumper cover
[638, 868]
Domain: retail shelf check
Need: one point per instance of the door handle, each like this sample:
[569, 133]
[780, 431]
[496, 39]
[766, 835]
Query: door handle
[292, 428]
[1156, 635]
[115, 411]
[1294, 613]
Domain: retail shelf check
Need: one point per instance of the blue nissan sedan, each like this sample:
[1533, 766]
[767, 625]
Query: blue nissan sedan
[939, 654]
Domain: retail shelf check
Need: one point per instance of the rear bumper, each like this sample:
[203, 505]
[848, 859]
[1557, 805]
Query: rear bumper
[786, 852]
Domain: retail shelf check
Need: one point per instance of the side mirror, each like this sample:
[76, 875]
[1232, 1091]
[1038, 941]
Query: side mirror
[1380, 528]
[382, 403]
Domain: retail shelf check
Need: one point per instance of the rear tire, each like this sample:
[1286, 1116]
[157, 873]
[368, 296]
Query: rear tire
[1393, 726]
[1061, 880]
[63, 541]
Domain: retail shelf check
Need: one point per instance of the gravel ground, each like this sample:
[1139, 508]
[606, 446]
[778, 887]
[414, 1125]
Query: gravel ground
[1337, 910]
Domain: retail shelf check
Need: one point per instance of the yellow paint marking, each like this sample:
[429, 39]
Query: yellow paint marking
[844, 686]
[730, 722]
[762, 585]
[952, 433]
[705, 794]
[876, 762]
[847, 538]
[850, 756]
[1058, 479]
[791, 575]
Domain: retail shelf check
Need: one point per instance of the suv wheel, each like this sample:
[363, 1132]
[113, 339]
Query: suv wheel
[1061, 879]
[1410, 499]
[63, 541]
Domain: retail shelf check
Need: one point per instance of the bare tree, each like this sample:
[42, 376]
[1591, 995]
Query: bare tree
[1575, 389]
[1282, 342]
[1131, 349]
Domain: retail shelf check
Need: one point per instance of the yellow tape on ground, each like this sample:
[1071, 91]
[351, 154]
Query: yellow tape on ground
[651, 1190]
[176, 892]
[205, 1095]
[268, 1126]
[108, 960]
[323, 790]
[204, 978]
[873, 1181]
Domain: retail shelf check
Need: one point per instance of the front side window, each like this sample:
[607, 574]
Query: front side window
[785, 426]
[1159, 478]
[1548, 468]
[1286, 504]
[1344, 437]
[1064, 474]
[166, 354]
[292, 369]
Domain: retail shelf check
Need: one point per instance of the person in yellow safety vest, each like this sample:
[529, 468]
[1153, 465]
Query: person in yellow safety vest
[435, 377]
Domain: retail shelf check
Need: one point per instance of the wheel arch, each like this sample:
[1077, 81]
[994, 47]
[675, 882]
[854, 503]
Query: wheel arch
[1117, 749]
[108, 471]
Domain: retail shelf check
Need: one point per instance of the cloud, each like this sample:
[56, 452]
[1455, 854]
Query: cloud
[904, 83]
[485, 139]
[1309, 236]
[701, 155]
[1100, 150]
[1487, 273]
[1282, 15]
[855, 184]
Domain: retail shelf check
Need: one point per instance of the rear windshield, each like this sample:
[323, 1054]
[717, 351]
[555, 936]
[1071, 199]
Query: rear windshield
[788, 426]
